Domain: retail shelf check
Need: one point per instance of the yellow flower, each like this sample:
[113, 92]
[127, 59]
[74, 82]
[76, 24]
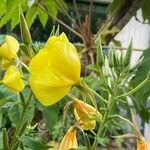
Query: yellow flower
[86, 115]
[69, 140]
[142, 144]
[12, 79]
[9, 49]
[54, 70]
[5, 64]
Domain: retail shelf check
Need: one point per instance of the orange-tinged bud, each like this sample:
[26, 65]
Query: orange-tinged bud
[9, 49]
[69, 140]
[86, 115]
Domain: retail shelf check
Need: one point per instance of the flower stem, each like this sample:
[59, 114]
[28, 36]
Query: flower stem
[21, 122]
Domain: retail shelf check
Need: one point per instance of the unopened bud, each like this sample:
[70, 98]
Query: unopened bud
[25, 33]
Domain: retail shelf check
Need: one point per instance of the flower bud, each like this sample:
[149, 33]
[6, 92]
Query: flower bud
[12, 79]
[100, 57]
[128, 54]
[25, 33]
[69, 141]
[9, 48]
[106, 68]
[86, 115]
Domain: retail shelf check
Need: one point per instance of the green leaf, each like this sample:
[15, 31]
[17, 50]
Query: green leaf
[50, 114]
[43, 16]
[15, 19]
[10, 11]
[52, 7]
[31, 15]
[2, 8]
[141, 96]
[146, 10]
[14, 114]
[34, 143]
[115, 5]
[6, 96]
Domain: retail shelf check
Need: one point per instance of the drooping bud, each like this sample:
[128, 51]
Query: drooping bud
[86, 115]
[69, 141]
[12, 79]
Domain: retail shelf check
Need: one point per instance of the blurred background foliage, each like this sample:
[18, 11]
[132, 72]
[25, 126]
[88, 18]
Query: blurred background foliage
[42, 23]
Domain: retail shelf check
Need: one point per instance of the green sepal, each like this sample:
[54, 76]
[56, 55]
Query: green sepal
[99, 52]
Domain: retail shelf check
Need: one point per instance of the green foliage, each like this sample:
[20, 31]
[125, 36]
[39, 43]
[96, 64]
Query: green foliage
[6, 97]
[14, 112]
[141, 97]
[9, 14]
[115, 5]
[146, 10]
[34, 143]
[51, 116]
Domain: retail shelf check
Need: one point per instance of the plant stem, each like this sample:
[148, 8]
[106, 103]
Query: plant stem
[135, 89]
[84, 85]
[105, 119]
[21, 122]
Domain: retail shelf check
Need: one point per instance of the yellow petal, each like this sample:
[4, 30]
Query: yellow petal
[12, 79]
[6, 64]
[54, 70]
[46, 94]
[69, 140]
[9, 49]
[64, 57]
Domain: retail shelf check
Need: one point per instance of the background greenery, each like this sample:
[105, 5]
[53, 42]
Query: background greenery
[41, 25]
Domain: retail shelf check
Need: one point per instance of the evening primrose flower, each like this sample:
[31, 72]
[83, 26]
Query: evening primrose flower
[85, 114]
[9, 49]
[69, 141]
[12, 79]
[54, 70]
